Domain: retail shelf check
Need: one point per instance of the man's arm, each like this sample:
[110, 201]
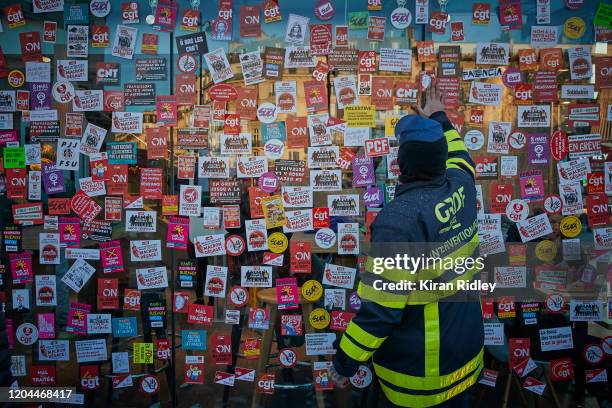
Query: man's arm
[458, 156]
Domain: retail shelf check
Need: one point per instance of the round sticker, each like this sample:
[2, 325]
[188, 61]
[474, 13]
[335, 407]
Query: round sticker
[278, 242]
[100, 8]
[474, 139]
[238, 296]
[574, 28]
[149, 384]
[324, 10]
[606, 345]
[517, 210]
[593, 354]
[235, 245]
[312, 290]
[63, 91]
[362, 378]
[287, 358]
[517, 140]
[347, 96]
[559, 145]
[187, 63]
[325, 238]
[16, 79]
[570, 226]
[512, 77]
[554, 303]
[546, 250]
[553, 204]
[319, 318]
[267, 112]
[401, 18]
[268, 182]
[274, 149]
[355, 301]
[27, 334]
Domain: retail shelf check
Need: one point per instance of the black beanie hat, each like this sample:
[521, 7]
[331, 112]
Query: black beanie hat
[423, 149]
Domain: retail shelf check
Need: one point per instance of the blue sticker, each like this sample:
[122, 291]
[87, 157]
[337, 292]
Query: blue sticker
[193, 339]
[125, 327]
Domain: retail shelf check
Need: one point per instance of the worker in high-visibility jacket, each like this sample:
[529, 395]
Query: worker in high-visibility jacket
[426, 345]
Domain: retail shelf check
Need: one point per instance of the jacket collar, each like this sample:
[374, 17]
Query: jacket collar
[412, 185]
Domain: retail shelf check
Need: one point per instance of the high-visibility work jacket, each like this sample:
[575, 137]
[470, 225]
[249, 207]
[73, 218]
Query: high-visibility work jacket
[425, 347]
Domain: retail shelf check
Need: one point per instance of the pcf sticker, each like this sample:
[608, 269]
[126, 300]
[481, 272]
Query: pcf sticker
[149, 384]
[287, 358]
[474, 139]
[517, 210]
[238, 296]
[325, 238]
[553, 204]
[362, 378]
[312, 290]
[593, 354]
[517, 140]
[235, 245]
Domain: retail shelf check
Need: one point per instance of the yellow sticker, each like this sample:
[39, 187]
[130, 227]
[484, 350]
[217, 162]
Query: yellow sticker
[143, 353]
[312, 290]
[570, 226]
[360, 116]
[390, 122]
[319, 318]
[546, 250]
[574, 28]
[273, 210]
[278, 242]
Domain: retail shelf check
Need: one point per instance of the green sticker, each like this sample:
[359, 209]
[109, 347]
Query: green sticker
[603, 17]
[358, 20]
[14, 157]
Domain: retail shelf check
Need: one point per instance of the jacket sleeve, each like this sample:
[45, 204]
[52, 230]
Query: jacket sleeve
[379, 314]
[458, 156]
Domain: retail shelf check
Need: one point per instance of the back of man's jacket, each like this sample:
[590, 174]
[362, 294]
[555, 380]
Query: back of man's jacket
[427, 346]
